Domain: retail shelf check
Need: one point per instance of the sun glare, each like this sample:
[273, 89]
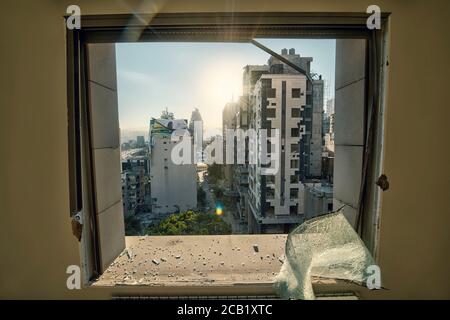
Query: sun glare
[221, 83]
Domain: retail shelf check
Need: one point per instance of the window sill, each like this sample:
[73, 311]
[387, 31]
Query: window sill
[212, 265]
[226, 260]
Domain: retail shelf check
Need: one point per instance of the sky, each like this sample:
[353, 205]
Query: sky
[182, 76]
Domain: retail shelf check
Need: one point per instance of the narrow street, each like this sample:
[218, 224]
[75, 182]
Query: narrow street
[227, 215]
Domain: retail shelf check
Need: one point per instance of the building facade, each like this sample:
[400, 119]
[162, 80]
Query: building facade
[135, 181]
[290, 108]
[173, 186]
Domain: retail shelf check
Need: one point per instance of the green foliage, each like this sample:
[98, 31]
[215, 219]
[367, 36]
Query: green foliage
[132, 226]
[191, 223]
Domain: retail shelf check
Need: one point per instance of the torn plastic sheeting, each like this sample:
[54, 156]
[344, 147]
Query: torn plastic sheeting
[326, 247]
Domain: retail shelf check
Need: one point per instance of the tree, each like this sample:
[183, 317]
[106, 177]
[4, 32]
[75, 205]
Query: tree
[191, 223]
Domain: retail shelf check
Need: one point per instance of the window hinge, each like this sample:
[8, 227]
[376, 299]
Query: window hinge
[77, 225]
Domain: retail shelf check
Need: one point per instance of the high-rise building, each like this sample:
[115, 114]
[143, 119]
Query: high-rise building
[196, 131]
[237, 116]
[140, 141]
[229, 118]
[284, 100]
[173, 186]
[330, 107]
[241, 115]
[134, 190]
[135, 181]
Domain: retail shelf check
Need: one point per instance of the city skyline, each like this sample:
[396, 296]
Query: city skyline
[206, 76]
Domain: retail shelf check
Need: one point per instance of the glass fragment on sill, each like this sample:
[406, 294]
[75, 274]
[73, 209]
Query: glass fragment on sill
[326, 247]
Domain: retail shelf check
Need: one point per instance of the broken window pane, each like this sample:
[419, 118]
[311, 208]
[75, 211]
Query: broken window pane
[326, 247]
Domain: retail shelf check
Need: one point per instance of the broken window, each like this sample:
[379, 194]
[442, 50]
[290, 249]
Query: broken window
[104, 219]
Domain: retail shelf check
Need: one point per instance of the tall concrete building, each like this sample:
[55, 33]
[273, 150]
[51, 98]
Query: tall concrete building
[238, 115]
[140, 141]
[330, 107]
[135, 181]
[173, 186]
[134, 190]
[285, 100]
[196, 131]
[229, 118]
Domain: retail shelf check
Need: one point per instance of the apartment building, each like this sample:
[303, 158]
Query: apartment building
[196, 130]
[134, 190]
[285, 101]
[135, 181]
[173, 186]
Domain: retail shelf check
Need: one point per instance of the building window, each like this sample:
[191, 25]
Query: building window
[270, 179]
[294, 179]
[295, 132]
[295, 113]
[270, 210]
[293, 193]
[271, 112]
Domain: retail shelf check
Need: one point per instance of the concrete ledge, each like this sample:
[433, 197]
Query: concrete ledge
[174, 261]
[205, 266]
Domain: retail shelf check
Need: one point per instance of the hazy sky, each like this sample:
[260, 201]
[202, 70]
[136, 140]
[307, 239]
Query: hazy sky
[184, 76]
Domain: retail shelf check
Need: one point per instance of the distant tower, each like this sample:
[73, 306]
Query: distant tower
[196, 131]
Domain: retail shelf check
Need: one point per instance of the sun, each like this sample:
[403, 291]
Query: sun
[221, 83]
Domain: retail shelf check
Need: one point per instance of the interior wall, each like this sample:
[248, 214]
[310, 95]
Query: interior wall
[35, 238]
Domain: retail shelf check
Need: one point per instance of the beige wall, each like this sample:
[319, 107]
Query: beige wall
[35, 236]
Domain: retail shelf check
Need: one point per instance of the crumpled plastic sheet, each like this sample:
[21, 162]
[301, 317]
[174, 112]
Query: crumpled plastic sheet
[326, 247]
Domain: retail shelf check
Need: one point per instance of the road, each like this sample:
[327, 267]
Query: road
[227, 216]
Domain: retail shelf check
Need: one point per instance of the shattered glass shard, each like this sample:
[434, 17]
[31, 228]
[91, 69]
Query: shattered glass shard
[326, 247]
